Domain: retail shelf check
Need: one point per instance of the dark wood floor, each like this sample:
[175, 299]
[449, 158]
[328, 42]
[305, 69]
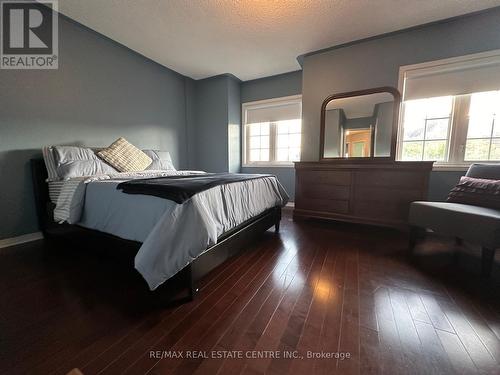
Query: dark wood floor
[317, 286]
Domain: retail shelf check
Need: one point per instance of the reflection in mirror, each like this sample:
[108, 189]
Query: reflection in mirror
[359, 126]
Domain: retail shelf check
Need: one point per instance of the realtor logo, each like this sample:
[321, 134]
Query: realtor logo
[29, 34]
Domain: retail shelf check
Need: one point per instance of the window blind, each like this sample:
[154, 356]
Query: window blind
[456, 78]
[282, 112]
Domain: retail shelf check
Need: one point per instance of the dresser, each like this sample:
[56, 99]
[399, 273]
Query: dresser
[359, 190]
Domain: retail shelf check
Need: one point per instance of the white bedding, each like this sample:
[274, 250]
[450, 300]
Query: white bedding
[173, 235]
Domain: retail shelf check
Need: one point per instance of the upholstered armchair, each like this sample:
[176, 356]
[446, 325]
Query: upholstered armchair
[479, 225]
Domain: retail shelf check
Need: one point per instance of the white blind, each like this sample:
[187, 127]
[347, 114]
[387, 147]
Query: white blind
[456, 78]
[275, 112]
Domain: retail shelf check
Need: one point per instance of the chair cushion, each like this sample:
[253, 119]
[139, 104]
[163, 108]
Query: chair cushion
[125, 157]
[472, 223]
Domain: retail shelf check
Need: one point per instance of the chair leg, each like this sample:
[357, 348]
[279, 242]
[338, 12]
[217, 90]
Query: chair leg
[414, 234]
[487, 258]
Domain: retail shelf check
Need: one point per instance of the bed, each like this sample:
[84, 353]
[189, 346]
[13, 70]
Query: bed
[223, 243]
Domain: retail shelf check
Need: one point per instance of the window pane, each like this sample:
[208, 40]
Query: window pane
[282, 154]
[480, 126]
[495, 149]
[283, 127]
[435, 150]
[496, 130]
[483, 110]
[426, 128]
[264, 154]
[438, 107]
[294, 154]
[477, 149]
[484, 103]
[295, 140]
[414, 120]
[283, 140]
[264, 128]
[415, 110]
[437, 129]
[412, 150]
[254, 129]
[288, 126]
[414, 129]
[295, 126]
[254, 155]
[255, 142]
[264, 142]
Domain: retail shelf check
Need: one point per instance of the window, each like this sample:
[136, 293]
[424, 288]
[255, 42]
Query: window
[259, 141]
[426, 128]
[272, 131]
[483, 133]
[450, 111]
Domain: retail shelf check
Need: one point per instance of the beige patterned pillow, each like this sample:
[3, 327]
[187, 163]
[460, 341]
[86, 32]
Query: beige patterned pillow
[125, 157]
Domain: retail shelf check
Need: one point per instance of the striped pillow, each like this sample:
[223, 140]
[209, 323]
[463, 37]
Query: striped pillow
[50, 163]
[125, 157]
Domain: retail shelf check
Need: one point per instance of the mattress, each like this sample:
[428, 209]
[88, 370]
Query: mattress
[172, 235]
[55, 188]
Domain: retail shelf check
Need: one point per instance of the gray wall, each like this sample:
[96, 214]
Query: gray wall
[376, 63]
[272, 87]
[101, 91]
[267, 88]
[214, 134]
[383, 128]
[333, 132]
[234, 125]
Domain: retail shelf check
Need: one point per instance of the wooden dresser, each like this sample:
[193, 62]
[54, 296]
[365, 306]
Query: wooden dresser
[360, 191]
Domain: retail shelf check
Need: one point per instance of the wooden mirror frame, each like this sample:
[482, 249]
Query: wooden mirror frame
[397, 103]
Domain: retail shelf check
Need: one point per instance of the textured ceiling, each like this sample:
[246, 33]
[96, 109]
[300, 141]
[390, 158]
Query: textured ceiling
[251, 38]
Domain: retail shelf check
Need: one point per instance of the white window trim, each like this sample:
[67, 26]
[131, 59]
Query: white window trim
[458, 131]
[292, 99]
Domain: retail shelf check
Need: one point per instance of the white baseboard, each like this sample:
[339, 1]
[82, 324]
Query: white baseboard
[6, 242]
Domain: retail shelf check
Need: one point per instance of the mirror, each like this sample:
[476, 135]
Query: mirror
[360, 124]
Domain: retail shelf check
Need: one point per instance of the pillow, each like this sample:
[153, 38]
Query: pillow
[73, 161]
[476, 192]
[161, 160]
[50, 163]
[125, 157]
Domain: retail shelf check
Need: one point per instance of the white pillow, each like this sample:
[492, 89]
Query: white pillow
[161, 160]
[73, 161]
[50, 163]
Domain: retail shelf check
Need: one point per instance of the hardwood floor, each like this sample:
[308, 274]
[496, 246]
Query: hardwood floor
[316, 287]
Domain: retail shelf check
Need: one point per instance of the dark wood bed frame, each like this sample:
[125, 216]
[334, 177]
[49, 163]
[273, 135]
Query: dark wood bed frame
[228, 245]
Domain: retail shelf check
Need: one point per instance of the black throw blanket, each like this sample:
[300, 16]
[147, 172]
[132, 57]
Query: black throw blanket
[181, 188]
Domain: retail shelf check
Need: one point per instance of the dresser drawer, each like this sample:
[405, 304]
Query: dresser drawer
[311, 177]
[382, 202]
[323, 205]
[324, 191]
[393, 179]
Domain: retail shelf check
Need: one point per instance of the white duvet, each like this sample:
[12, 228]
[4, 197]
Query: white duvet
[173, 235]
